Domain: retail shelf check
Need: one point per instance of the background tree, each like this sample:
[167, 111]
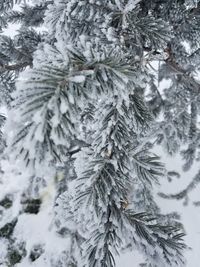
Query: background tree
[180, 100]
[16, 55]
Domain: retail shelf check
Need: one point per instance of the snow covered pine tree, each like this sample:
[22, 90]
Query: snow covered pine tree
[179, 102]
[81, 127]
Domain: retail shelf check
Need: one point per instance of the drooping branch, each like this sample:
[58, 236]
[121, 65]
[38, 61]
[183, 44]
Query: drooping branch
[184, 193]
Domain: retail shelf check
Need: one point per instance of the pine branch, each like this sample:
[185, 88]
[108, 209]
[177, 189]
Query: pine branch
[16, 67]
[183, 193]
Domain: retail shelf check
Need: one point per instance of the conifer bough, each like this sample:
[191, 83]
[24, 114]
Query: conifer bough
[88, 112]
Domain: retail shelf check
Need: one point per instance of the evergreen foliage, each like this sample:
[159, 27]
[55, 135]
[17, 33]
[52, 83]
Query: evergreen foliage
[84, 111]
